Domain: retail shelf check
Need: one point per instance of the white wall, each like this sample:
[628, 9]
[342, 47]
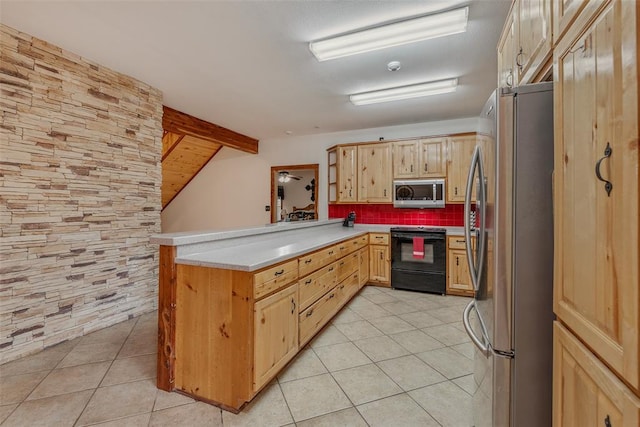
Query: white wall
[234, 187]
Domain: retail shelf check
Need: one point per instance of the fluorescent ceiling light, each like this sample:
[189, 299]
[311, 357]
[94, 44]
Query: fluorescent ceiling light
[405, 92]
[399, 33]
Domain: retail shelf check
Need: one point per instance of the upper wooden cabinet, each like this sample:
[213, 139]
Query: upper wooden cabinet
[405, 159]
[534, 38]
[460, 150]
[596, 282]
[423, 158]
[374, 173]
[524, 49]
[507, 75]
[565, 13]
[342, 168]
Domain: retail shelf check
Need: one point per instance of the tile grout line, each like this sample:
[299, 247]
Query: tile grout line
[105, 374]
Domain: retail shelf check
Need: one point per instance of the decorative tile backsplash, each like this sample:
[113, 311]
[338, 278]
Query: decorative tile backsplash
[450, 215]
[80, 155]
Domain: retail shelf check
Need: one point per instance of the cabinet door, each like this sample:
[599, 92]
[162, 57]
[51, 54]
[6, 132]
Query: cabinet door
[347, 179]
[585, 392]
[374, 163]
[459, 160]
[432, 157]
[380, 271]
[534, 37]
[507, 54]
[596, 254]
[364, 266]
[458, 277]
[405, 159]
[566, 11]
[276, 334]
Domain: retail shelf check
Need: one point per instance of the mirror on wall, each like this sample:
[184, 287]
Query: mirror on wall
[294, 193]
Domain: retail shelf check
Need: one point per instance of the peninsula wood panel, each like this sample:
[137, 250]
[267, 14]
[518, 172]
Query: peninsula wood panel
[596, 288]
[187, 156]
[214, 335]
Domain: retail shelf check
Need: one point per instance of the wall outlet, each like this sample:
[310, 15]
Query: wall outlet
[267, 208]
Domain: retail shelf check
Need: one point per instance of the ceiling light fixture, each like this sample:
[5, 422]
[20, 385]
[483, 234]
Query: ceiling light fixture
[395, 34]
[405, 92]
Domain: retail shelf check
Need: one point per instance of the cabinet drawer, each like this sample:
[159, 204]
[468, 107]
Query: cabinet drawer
[316, 316]
[459, 242]
[316, 284]
[347, 265]
[351, 245]
[379, 238]
[274, 278]
[316, 260]
[348, 288]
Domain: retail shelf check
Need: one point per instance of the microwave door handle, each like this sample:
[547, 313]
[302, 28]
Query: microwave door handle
[433, 194]
[467, 220]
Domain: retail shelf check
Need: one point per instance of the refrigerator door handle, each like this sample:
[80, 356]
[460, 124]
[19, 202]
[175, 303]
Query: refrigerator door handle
[475, 268]
[479, 343]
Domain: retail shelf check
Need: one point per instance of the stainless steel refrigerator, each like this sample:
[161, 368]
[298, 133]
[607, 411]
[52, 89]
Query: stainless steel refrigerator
[510, 319]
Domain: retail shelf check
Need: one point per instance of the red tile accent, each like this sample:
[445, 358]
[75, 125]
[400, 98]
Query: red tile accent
[450, 215]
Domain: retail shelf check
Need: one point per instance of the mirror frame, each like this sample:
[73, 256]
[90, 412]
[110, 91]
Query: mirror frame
[276, 169]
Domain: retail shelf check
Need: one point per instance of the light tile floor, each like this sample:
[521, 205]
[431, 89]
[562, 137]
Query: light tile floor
[390, 358]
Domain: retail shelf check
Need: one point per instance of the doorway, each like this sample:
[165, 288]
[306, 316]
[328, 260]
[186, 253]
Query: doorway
[294, 193]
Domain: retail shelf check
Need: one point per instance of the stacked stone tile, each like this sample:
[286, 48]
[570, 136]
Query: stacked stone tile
[80, 178]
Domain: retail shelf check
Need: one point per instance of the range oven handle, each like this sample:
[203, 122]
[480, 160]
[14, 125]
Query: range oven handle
[428, 236]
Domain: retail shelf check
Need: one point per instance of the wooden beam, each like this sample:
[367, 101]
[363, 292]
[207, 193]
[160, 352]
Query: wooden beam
[178, 122]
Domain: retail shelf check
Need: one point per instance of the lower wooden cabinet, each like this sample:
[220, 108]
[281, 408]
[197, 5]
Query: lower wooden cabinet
[585, 391]
[364, 266]
[458, 276]
[275, 333]
[379, 259]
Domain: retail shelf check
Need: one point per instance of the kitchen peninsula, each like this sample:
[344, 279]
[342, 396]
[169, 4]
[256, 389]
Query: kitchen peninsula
[236, 306]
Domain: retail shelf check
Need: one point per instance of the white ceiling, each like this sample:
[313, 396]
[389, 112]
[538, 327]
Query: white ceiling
[246, 65]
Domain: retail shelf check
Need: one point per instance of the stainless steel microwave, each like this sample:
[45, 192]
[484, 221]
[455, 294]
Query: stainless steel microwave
[423, 193]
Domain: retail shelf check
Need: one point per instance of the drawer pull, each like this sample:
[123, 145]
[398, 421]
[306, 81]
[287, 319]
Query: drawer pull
[355, 243]
[379, 237]
[331, 269]
[342, 248]
[331, 296]
[309, 313]
[330, 252]
[459, 241]
[308, 261]
[308, 281]
[278, 273]
[342, 263]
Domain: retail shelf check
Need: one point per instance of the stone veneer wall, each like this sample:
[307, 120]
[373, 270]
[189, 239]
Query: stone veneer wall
[80, 178]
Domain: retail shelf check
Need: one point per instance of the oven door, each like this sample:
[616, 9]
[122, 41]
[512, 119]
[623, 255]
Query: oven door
[403, 257]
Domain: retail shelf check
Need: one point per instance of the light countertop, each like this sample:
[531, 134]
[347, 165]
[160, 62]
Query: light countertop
[252, 249]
